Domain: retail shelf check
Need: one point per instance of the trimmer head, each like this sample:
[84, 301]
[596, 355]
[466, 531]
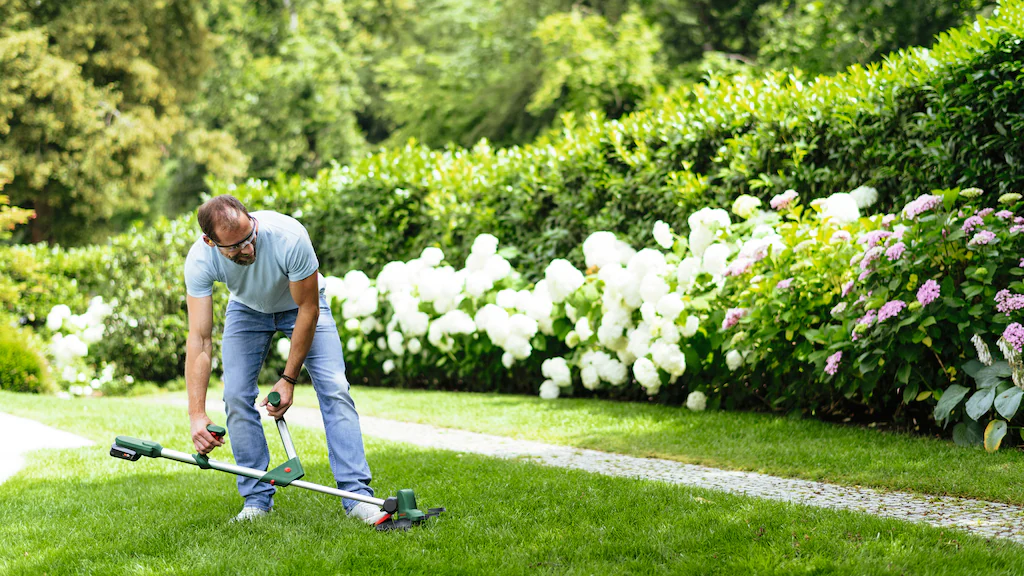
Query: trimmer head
[402, 513]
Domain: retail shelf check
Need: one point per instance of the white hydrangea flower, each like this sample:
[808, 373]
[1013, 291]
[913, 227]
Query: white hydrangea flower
[704, 224]
[601, 249]
[590, 378]
[352, 345]
[670, 306]
[557, 371]
[396, 343]
[668, 357]
[562, 279]
[485, 244]
[715, 259]
[646, 374]
[583, 329]
[432, 256]
[507, 359]
[687, 272]
[663, 235]
[745, 206]
[284, 347]
[652, 288]
[549, 390]
[414, 345]
[393, 277]
[388, 366]
[696, 401]
[864, 196]
[841, 208]
[733, 359]
[691, 326]
[639, 340]
[55, 319]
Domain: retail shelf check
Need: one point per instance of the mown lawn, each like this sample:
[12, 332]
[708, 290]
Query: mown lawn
[81, 511]
[781, 446]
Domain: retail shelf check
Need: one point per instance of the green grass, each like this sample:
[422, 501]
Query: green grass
[794, 448]
[80, 511]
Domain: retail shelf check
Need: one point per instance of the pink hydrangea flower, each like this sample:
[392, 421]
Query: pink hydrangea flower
[895, 252]
[928, 292]
[784, 284]
[832, 364]
[849, 285]
[1007, 302]
[870, 256]
[784, 200]
[874, 237]
[738, 267]
[1014, 336]
[838, 309]
[1004, 214]
[890, 309]
[732, 317]
[982, 238]
[986, 211]
[888, 219]
[971, 223]
[924, 203]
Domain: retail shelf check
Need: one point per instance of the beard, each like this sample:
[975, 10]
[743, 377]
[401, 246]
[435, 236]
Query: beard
[244, 259]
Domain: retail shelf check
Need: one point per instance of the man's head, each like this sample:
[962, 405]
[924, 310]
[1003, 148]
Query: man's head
[227, 226]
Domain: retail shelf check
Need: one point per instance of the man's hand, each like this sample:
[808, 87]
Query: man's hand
[284, 388]
[201, 437]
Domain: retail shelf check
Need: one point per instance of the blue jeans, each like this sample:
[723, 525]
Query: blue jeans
[246, 342]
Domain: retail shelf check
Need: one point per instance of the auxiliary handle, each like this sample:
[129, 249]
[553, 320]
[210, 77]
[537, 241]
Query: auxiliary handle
[274, 399]
[218, 431]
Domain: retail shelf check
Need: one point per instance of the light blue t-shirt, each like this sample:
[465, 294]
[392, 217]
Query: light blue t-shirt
[283, 254]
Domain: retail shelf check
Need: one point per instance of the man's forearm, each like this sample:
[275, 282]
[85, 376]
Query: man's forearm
[302, 338]
[197, 375]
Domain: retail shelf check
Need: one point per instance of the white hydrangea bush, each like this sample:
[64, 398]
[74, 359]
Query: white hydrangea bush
[651, 318]
[68, 348]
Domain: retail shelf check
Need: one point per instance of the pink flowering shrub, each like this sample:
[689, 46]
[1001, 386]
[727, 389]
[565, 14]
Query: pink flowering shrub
[880, 315]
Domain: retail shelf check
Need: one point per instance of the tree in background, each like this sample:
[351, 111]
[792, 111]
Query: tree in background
[589, 64]
[282, 96]
[89, 97]
[10, 216]
[823, 37]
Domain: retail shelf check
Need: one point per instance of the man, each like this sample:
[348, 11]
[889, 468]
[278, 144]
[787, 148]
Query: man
[268, 264]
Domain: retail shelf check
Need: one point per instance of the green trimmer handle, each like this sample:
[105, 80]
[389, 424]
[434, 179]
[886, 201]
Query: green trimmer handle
[217, 431]
[274, 398]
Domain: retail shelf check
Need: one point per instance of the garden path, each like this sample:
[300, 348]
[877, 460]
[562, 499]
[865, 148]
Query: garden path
[986, 519]
[22, 435]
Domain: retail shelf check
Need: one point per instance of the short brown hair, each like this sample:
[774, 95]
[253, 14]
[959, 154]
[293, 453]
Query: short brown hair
[223, 209]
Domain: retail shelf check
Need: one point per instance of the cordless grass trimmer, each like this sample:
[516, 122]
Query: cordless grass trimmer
[401, 511]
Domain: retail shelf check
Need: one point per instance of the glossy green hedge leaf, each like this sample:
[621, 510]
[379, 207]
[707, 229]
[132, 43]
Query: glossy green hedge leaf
[972, 367]
[990, 376]
[1008, 402]
[950, 398]
[980, 403]
[968, 434]
[994, 433]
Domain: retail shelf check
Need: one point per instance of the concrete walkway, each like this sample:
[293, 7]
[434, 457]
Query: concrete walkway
[22, 435]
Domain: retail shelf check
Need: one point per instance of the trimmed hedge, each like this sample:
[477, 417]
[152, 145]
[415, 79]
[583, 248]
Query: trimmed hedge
[22, 367]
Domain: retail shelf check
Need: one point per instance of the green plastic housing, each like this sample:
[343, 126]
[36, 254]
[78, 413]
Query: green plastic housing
[407, 505]
[144, 447]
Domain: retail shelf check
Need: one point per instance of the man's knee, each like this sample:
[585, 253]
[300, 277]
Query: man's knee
[237, 401]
